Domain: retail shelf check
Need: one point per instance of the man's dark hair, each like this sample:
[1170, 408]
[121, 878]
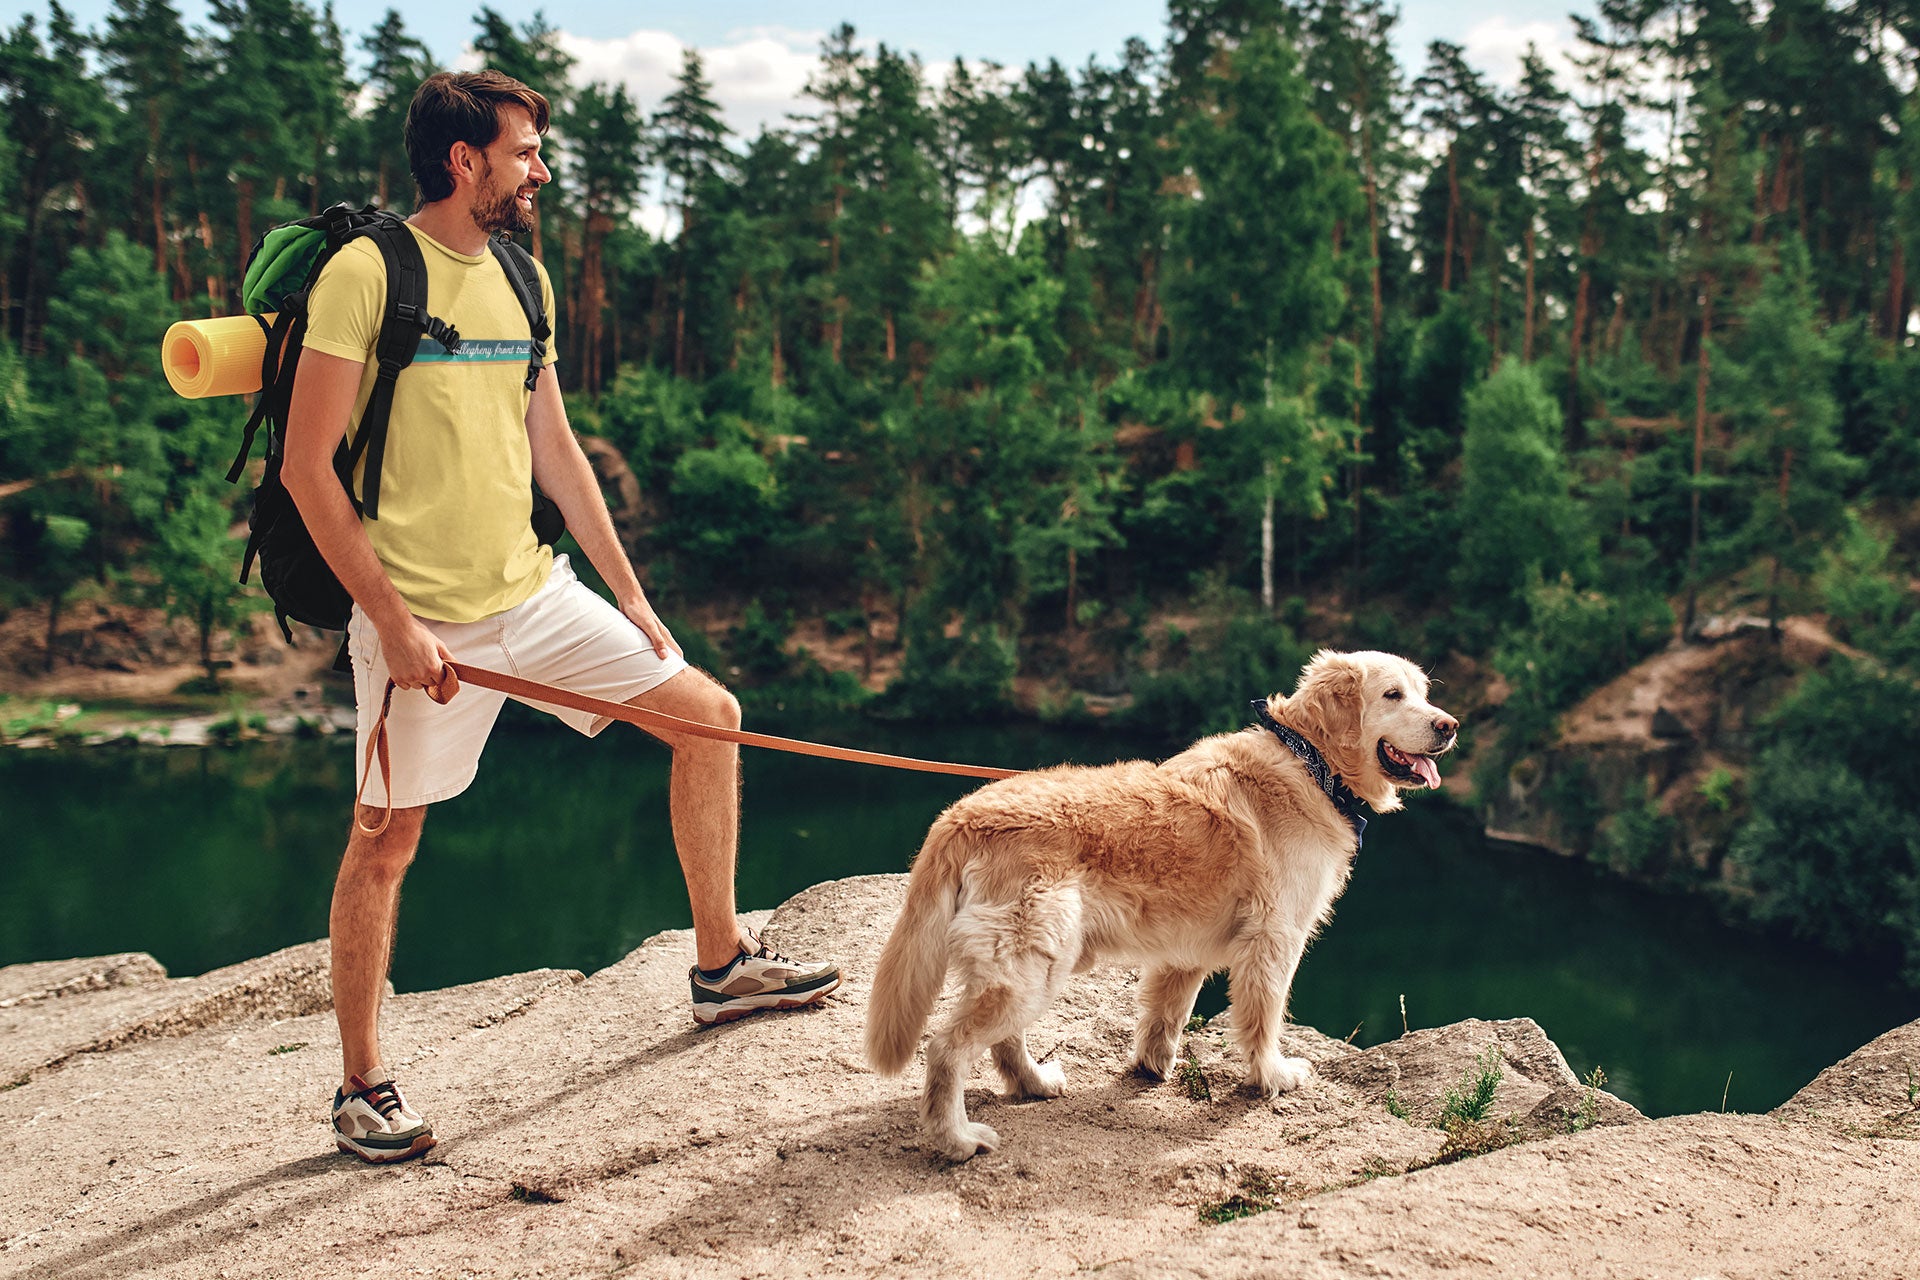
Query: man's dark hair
[463, 107]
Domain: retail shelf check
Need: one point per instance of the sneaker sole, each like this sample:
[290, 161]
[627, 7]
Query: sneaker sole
[734, 1010]
[421, 1145]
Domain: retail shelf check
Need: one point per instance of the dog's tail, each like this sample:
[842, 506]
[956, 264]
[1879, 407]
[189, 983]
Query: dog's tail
[914, 963]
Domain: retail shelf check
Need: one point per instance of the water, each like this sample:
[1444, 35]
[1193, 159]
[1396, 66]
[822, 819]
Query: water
[560, 856]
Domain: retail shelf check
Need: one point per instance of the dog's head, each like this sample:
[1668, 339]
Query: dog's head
[1369, 716]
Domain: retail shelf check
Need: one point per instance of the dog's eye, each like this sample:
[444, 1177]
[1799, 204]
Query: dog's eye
[1391, 695]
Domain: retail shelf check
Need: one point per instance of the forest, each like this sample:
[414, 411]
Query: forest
[1138, 380]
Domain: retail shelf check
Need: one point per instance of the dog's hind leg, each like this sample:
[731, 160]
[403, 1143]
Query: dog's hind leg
[1263, 968]
[984, 1017]
[1026, 1078]
[1166, 1002]
[1039, 980]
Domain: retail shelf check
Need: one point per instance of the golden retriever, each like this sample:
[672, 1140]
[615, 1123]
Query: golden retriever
[1228, 855]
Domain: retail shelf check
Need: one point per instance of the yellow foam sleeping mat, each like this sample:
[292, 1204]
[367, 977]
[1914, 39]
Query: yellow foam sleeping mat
[219, 357]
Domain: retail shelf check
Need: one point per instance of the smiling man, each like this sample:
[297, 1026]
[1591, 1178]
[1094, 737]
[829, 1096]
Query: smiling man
[451, 570]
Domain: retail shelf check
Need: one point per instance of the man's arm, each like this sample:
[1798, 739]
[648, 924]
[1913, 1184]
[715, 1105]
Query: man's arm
[565, 475]
[324, 388]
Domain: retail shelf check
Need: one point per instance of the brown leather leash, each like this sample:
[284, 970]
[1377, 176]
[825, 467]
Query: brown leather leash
[533, 690]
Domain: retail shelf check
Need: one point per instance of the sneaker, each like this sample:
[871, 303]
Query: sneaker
[761, 979]
[375, 1123]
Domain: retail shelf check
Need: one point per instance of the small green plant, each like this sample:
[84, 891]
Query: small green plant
[1259, 1192]
[1188, 1075]
[1589, 1113]
[1196, 1023]
[1471, 1102]
[1717, 789]
[1396, 1108]
[295, 1047]
[1913, 1087]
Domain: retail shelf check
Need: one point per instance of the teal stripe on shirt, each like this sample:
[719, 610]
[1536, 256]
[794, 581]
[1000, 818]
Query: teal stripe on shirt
[475, 351]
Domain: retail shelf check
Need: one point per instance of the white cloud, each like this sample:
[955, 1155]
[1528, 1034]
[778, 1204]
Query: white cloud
[757, 73]
[1494, 47]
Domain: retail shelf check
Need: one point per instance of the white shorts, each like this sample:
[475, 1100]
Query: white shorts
[563, 635]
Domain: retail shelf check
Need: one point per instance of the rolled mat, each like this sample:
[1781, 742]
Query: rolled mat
[214, 357]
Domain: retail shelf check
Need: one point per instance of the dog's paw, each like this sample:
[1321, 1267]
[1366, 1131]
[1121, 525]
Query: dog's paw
[966, 1142]
[1282, 1075]
[1152, 1064]
[1049, 1080]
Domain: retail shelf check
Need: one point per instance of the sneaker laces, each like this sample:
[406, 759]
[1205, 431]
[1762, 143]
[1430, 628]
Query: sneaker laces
[767, 953]
[384, 1098]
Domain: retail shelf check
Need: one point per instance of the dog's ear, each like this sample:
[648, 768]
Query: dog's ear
[1326, 707]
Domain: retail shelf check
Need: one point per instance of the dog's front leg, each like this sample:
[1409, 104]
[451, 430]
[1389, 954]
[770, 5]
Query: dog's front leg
[1262, 976]
[1166, 1002]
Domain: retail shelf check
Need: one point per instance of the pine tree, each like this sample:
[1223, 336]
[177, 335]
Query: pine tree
[396, 65]
[603, 128]
[690, 148]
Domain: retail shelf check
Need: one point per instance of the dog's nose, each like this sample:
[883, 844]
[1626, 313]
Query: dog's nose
[1445, 726]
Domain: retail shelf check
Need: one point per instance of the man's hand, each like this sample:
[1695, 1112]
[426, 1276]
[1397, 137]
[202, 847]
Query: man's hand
[415, 657]
[641, 614]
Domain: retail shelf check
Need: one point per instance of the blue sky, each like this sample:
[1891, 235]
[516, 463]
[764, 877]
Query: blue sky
[758, 51]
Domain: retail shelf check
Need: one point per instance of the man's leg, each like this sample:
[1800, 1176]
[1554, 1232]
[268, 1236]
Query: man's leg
[366, 905]
[736, 975]
[703, 801]
[370, 1117]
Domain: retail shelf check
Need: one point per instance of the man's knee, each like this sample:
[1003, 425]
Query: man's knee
[713, 704]
[391, 851]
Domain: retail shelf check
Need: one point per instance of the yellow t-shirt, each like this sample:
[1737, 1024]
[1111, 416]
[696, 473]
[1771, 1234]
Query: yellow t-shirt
[455, 483]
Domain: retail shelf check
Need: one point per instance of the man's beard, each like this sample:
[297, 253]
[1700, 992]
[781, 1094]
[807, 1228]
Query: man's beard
[497, 211]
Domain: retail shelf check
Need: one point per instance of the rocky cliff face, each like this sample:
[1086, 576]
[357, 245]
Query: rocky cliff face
[164, 1127]
[1644, 772]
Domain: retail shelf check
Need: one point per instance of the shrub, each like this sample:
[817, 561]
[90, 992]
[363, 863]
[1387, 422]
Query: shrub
[1832, 849]
[1235, 655]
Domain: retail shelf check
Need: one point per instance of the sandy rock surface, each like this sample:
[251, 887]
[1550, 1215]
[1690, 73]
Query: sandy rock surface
[162, 1127]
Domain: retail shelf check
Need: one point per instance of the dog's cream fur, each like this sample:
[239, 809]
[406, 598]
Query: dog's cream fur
[1225, 856]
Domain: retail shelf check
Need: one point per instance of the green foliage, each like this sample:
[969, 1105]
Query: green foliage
[1832, 849]
[758, 643]
[1867, 604]
[1205, 680]
[1470, 1102]
[1570, 642]
[954, 669]
[1520, 518]
[723, 508]
[1638, 838]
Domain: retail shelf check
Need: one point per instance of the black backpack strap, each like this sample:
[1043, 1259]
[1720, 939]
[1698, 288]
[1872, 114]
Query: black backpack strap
[273, 374]
[524, 276]
[405, 320]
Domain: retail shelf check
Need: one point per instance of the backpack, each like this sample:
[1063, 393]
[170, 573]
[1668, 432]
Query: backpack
[281, 272]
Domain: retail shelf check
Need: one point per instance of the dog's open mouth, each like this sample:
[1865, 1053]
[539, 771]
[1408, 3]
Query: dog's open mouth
[1403, 767]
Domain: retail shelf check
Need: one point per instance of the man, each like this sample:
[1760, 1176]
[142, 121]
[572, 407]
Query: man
[451, 570]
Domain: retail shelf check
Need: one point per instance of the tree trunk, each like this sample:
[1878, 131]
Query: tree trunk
[1699, 451]
[1373, 225]
[159, 197]
[1773, 579]
[1453, 205]
[53, 627]
[1526, 343]
[1266, 546]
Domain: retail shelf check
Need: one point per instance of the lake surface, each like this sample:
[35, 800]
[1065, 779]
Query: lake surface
[560, 855]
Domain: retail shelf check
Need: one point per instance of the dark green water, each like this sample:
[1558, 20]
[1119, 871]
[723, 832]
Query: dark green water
[560, 856]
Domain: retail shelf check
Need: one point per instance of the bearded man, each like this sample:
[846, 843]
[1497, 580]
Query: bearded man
[451, 570]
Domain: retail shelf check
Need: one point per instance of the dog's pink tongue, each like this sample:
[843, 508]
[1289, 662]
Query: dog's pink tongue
[1429, 771]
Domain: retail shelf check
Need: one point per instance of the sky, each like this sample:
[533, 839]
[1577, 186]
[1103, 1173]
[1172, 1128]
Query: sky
[758, 53]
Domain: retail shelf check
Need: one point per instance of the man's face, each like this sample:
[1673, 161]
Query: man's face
[510, 174]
